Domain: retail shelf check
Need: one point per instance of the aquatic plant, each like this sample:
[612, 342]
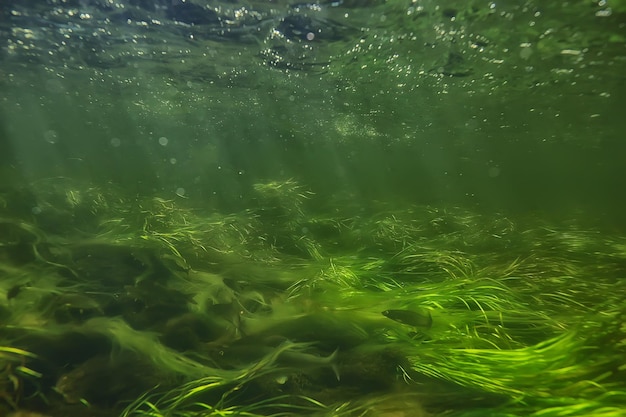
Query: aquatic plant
[187, 399]
[436, 309]
[14, 373]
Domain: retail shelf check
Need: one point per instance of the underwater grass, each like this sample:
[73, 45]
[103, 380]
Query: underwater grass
[186, 399]
[568, 365]
[471, 312]
[14, 373]
[527, 313]
[280, 406]
[607, 404]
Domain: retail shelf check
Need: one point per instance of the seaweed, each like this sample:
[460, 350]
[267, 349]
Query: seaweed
[148, 307]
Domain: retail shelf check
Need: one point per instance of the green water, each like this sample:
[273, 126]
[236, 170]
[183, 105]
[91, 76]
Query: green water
[206, 209]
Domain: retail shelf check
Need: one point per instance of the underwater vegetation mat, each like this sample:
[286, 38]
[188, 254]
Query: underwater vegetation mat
[131, 307]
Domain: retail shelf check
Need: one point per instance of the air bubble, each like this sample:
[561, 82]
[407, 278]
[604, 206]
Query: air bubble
[51, 136]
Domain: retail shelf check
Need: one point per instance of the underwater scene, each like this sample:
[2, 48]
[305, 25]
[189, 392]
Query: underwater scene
[341, 208]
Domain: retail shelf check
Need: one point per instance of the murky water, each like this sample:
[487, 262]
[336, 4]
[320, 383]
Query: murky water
[242, 188]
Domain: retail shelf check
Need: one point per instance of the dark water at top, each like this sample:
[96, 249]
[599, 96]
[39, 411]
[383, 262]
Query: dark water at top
[511, 106]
